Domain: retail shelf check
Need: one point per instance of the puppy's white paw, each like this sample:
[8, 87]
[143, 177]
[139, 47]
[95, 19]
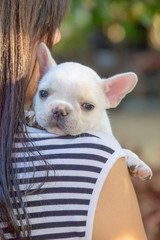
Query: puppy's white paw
[141, 171]
[31, 119]
[137, 167]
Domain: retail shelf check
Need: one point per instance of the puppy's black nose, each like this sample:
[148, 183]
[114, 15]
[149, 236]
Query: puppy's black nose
[59, 112]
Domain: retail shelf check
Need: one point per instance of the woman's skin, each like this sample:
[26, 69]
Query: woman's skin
[117, 215]
[57, 36]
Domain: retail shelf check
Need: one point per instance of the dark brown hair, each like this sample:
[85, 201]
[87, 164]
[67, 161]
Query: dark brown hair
[23, 25]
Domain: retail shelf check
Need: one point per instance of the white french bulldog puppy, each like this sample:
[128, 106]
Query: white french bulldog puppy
[71, 99]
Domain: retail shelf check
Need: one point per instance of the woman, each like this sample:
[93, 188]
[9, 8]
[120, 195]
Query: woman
[42, 196]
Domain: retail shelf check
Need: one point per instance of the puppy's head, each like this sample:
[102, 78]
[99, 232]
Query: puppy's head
[71, 97]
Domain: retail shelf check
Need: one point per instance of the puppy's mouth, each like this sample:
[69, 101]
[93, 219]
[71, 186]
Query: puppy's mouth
[56, 130]
[65, 126]
[55, 126]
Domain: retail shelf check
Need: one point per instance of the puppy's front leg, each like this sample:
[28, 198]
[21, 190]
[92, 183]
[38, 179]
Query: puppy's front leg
[137, 167]
[31, 119]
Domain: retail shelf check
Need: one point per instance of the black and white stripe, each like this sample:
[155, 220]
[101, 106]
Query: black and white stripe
[59, 209]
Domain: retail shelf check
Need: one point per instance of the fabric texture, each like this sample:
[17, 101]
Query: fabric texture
[63, 207]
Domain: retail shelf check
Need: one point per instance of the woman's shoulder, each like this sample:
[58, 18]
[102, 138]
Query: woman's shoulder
[93, 136]
[105, 138]
[97, 142]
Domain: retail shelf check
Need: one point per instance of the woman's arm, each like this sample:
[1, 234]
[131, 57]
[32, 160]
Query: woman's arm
[117, 215]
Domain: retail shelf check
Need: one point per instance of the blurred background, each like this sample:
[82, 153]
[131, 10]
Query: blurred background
[114, 37]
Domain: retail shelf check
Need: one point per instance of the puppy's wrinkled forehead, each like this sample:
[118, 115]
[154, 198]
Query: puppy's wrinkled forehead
[71, 76]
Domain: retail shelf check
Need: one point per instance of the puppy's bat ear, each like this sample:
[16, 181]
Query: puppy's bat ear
[118, 86]
[45, 59]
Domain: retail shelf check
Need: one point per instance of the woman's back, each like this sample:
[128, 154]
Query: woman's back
[65, 204]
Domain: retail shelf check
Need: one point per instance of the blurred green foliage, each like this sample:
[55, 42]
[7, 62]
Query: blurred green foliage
[88, 16]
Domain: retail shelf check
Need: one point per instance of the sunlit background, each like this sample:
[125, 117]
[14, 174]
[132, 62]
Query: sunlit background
[119, 36]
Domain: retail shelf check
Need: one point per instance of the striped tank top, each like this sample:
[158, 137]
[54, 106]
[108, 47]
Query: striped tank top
[63, 207]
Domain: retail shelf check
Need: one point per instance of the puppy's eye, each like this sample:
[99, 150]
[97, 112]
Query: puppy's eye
[43, 93]
[87, 107]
